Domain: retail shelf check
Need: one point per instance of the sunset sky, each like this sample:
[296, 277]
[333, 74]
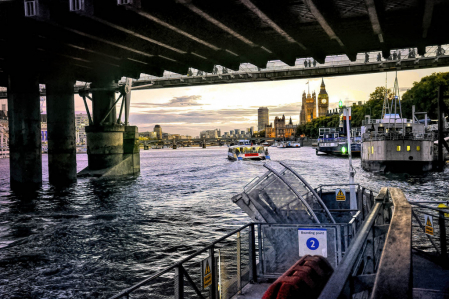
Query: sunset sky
[189, 110]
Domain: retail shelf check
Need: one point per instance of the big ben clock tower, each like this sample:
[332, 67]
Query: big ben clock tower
[323, 100]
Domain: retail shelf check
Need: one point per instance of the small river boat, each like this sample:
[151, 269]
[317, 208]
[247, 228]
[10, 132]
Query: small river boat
[333, 141]
[289, 144]
[245, 150]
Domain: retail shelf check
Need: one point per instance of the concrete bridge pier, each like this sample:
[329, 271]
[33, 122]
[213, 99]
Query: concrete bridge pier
[24, 129]
[112, 148]
[61, 129]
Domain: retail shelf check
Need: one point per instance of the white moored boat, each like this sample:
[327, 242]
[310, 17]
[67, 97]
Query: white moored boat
[289, 144]
[244, 150]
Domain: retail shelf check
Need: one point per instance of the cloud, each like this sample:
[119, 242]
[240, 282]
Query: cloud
[191, 116]
[290, 107]
[287, 108]
[182, 101]
[191, 122]
[178, 120]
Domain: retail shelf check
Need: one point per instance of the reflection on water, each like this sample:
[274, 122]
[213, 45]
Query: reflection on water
[99, 236]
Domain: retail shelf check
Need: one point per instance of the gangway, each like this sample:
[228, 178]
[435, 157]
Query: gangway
[380, 260]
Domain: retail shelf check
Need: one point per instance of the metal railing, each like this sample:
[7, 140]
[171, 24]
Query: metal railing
[375, 57]
[379, 262]
[251, 252]
[393, 121]
[234, 265]
[340, 139]
[307, 63]
[240, 257]
[437, 238]
[371, 255]
[395, 136]
[356, 272]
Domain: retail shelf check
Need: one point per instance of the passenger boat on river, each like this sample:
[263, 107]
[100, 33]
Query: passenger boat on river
[245, 150]
[289, 144]
[333, 141]
[397, 144]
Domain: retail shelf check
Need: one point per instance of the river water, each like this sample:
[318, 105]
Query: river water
[101, 236]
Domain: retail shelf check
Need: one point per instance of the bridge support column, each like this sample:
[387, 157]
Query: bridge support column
[61, 130]
[112, 148]
[103, 100]
[24, 129]
[132, 147]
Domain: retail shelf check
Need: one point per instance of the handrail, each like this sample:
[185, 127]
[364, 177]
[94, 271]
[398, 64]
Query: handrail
[337, 282]
[430, 208]
[394, 275]
[310, 189]
[178, 264]
[342, 184]
[422, 208]
[428, 201]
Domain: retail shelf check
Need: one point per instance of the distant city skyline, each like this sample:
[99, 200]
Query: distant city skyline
[190, 110]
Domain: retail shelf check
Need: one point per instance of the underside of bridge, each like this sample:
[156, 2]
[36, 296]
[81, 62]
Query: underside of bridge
[56, 42]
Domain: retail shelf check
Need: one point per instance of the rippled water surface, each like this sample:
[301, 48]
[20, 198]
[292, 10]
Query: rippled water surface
[101, 236]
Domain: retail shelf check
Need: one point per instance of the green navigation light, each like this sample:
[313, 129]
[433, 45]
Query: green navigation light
[340, 104]
[343, 150]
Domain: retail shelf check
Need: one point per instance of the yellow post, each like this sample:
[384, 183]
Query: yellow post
[443, 206]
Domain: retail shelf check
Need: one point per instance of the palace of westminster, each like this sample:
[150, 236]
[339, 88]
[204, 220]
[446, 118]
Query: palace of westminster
[308, 112]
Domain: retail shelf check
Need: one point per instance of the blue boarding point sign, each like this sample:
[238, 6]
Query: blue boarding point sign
[312, 241]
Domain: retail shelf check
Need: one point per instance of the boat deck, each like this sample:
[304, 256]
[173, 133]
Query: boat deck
[253, 291]
[430, 281]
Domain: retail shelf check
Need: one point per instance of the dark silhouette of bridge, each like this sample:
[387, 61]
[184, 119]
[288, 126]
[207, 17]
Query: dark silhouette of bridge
[181, 42]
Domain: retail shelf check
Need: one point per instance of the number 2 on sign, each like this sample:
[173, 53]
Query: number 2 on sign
[312, 244]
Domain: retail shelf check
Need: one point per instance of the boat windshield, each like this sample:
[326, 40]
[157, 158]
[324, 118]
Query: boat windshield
[249, 149]
[244, 142]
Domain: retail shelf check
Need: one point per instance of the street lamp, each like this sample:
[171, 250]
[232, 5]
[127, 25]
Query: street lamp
[352, 199]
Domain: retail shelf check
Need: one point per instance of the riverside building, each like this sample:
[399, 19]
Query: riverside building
[283, 130]
[262, 118]
[81, 122]
[310, 103]
[158, 130]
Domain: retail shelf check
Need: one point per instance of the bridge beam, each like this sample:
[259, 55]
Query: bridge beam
[24, 129]
[61, 129]
[374, 19]
[328, 28]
